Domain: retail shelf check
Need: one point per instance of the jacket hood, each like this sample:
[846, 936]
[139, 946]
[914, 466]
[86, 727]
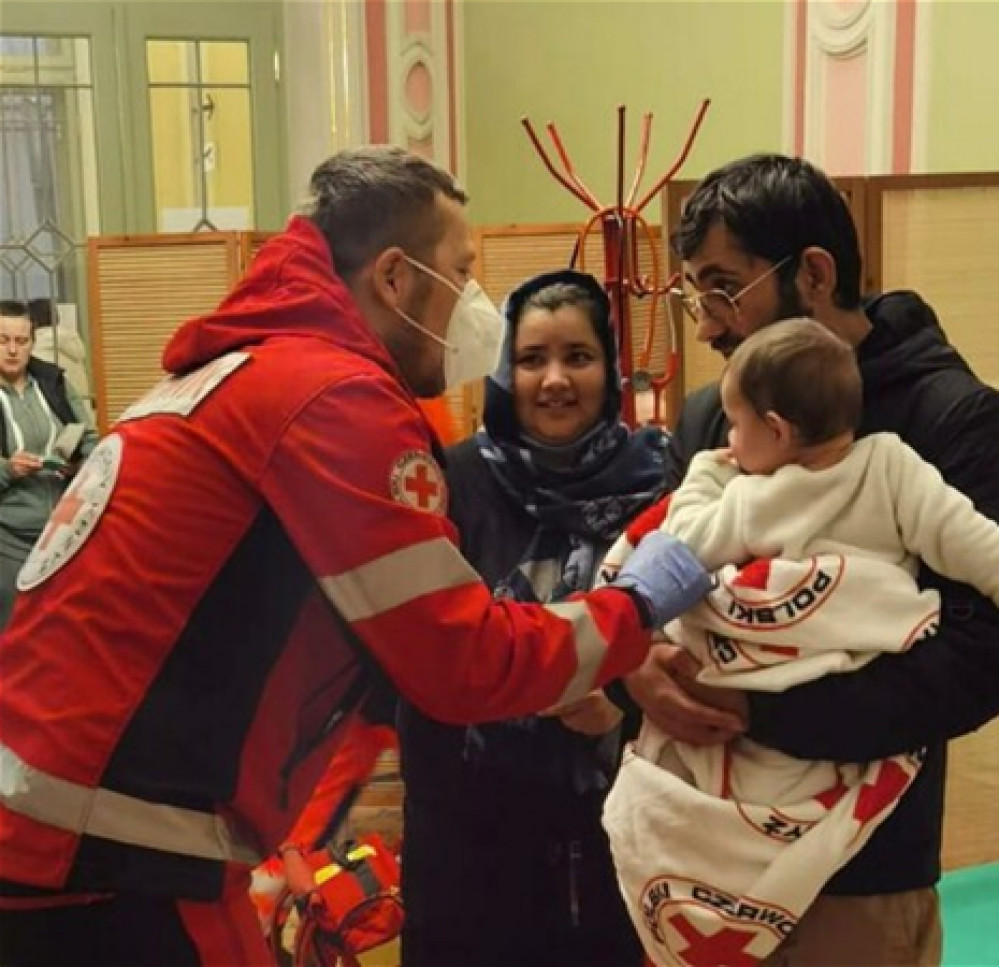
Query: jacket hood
[907, 341]
[290, 289]
[70, 344]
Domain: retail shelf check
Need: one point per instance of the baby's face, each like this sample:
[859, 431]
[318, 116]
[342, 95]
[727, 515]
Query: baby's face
[758, 445]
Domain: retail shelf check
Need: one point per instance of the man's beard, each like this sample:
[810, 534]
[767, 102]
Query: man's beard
[420, 362]
[790, 305]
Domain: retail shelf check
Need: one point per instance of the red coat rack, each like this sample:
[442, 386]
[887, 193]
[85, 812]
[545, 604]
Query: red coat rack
[621, 225]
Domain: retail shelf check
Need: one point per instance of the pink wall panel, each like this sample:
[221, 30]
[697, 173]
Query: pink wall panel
[832, 83]
[844, 114]
[417, 16]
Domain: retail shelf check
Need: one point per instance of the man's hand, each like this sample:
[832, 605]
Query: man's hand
[23, 464]
[666, 690]
[593, 714]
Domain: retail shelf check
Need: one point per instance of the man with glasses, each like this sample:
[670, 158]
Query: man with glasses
[766, 238]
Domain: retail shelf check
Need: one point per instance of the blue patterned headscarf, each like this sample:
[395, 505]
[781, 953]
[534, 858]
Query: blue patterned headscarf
[581, 502]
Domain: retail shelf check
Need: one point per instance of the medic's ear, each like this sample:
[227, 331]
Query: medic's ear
[391, 275]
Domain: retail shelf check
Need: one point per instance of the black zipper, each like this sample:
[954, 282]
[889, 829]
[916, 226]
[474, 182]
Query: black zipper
[575, 860]
[306, 745]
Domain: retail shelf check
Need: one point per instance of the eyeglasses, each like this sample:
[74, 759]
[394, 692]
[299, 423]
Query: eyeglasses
[717, 304]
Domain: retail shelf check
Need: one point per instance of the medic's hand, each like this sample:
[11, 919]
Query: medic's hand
[666, 574]
[666, 690]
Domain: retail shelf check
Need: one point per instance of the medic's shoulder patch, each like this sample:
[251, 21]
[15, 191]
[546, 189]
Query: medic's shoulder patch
[416, 479]
[181, 395]
[75, 516]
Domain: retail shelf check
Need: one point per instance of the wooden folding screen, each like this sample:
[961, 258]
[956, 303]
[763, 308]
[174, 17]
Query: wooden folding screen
[141, 289]
[939, 235]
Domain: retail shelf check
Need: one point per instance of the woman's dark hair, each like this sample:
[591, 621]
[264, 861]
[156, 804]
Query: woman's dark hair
[558, 294]
[365, 200]
[14, 309]
[776, 206]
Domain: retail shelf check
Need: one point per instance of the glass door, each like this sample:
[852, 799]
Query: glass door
[61, 171]
[209, 143]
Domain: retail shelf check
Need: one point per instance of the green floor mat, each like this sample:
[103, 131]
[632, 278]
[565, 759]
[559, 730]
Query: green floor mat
[970, 901]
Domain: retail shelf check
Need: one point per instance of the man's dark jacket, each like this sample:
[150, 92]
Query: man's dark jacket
[918, 386]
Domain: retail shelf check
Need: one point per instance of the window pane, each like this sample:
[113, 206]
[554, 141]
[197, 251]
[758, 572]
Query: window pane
[175, 122]
[225, 62]
[171, 61]
[228, 159]
[49, 183]
[17, 60]
[79, 155]
[63, 61]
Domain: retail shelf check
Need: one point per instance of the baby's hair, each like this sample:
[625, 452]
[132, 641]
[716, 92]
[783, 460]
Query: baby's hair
[803, 372]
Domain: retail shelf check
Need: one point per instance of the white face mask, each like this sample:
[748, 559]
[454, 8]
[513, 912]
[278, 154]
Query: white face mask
[474, 332]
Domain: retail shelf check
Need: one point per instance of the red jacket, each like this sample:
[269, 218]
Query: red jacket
[180, 662]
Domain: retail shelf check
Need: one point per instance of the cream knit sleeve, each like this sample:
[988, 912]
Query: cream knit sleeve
[705, 511]
[940, 525]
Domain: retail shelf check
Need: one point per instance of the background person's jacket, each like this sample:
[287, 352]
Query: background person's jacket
[918, 386]
[26, 502]
[62, 346]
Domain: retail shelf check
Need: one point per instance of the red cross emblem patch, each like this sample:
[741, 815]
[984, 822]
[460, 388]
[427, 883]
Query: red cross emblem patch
[75, 516]
[692, 924]
[725, 947]
[417, 480]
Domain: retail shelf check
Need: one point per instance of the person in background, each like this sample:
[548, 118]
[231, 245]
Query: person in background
[36, 404]
[253, 543]
[59, 343]
[504, 858]
[766, 238]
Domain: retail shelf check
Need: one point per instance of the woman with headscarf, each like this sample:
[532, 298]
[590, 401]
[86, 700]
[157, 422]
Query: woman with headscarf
[505, 862]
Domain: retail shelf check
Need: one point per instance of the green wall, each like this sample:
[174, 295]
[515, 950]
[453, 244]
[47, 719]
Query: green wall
[574, 62]
[963, 129]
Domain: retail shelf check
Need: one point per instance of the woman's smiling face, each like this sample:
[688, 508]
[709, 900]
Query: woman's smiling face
[559, 374]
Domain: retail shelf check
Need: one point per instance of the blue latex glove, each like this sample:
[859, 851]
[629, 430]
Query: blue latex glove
[666, 574]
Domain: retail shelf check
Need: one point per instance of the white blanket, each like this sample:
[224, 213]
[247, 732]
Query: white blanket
[719, 851]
